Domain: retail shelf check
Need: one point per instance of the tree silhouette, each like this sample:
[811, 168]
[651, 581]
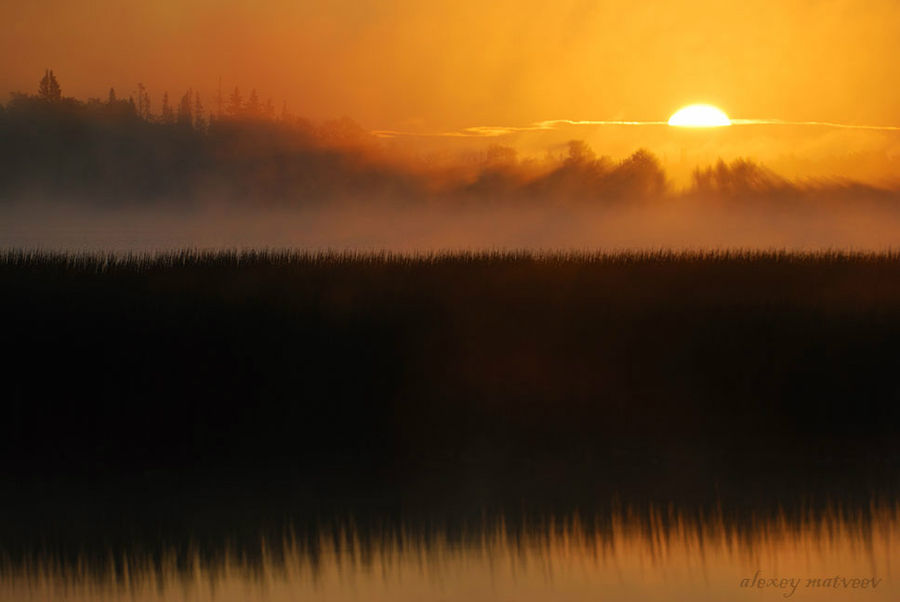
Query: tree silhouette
[199, 122]
[49, 89]
[185, 109]
[112, 96]
[579, 152]
[143, 102]
[166, 112]
[235, 103]
[253, 107]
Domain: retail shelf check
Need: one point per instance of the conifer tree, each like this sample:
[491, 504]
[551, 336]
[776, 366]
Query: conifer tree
[235, 103]
[199, 121]
[49, 89]
[166, 115]
[143, 102]
[185, 110]
[253, 107]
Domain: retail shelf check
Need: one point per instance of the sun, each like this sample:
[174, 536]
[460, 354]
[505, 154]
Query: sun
[699, 116]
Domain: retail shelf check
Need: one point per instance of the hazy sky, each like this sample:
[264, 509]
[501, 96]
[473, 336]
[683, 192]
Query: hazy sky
[447, 64]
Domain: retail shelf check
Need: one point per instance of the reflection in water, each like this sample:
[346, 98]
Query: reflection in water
[655, 554]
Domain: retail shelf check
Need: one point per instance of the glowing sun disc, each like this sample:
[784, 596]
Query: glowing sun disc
[699, 116]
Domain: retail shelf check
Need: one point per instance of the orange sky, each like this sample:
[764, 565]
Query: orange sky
[449, 64]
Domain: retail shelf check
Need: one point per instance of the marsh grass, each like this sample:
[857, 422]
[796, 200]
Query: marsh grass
[271, 358]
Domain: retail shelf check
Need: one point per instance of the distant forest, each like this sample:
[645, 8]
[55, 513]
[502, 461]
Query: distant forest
[118, 150]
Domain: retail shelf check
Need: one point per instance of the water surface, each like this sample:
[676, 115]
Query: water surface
[617, 552]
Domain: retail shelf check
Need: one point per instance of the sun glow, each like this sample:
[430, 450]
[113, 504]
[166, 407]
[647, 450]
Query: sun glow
[699, 116]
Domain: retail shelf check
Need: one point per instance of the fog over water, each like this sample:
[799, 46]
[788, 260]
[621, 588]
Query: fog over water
[110, 176]
[671, 223]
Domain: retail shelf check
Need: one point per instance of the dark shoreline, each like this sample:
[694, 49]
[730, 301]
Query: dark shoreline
[199, 361]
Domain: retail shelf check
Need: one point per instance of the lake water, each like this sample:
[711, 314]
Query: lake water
[472, 477]
[657, 553]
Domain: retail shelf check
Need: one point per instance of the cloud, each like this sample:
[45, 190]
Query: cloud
[493, 131]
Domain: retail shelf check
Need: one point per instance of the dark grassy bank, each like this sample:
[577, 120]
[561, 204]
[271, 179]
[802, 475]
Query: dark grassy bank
[200, 363]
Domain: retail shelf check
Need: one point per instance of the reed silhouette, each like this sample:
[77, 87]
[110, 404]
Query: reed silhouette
[290, 361]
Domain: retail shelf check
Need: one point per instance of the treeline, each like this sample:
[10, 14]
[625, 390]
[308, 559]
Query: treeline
[189, 110]
[119, 150]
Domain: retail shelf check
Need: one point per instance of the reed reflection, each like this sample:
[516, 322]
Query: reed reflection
[628, 553]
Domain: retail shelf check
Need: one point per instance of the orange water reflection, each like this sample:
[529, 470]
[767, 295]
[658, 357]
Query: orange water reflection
[660, 555]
